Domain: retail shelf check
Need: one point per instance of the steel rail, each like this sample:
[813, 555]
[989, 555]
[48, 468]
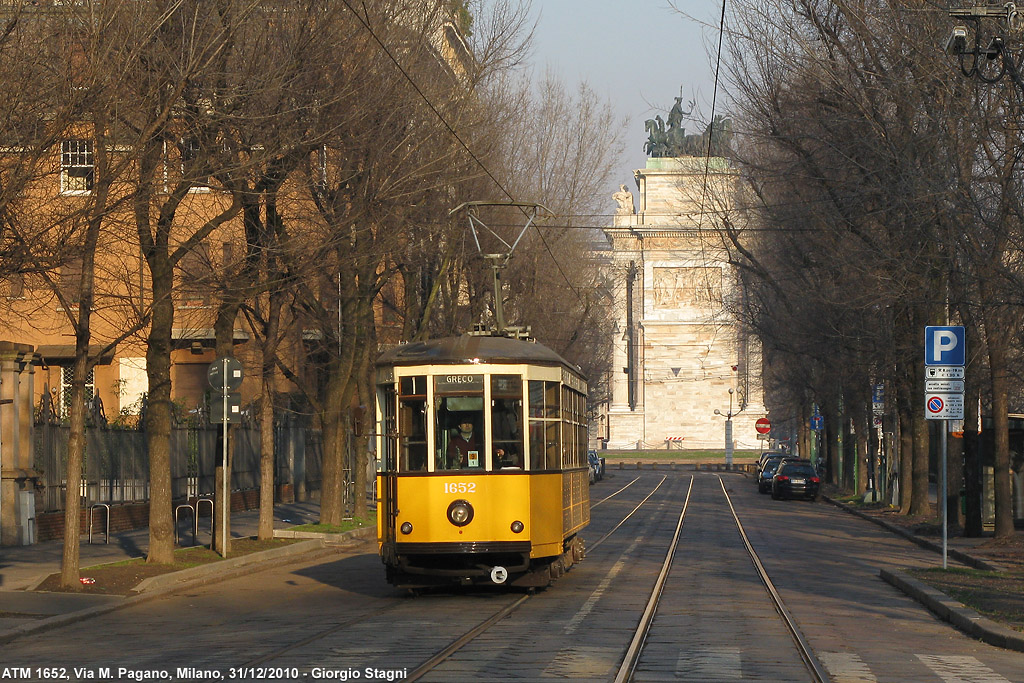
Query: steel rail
[633, 652]
[472, 634]
[429, 665]
[631, 513]
[375, 611]
[610, 496]
[810, 661]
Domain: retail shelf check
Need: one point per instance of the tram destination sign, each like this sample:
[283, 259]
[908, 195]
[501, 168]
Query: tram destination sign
[944, 372]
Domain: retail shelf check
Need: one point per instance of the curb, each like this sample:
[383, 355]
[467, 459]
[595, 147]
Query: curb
[957, 614]
[328, 539]
[946, 608]
[167, 584]
[223, 568]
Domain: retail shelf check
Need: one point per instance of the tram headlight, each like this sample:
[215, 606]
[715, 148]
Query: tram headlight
[406, 528]
[460, 512]
[517, 527]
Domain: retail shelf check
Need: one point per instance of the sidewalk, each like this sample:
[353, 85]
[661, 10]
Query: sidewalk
[23, 567]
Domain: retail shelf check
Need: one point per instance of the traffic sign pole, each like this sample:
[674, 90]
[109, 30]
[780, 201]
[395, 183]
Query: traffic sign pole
[945, 355]
[224, 375]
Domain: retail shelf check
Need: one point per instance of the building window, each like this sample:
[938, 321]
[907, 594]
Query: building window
[196, 276]
[67, 373]
[191, 163]
[77, 168]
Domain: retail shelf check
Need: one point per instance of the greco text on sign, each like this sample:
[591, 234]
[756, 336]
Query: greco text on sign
[456, 383]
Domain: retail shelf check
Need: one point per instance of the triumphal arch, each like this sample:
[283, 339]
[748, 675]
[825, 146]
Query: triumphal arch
[685, 368]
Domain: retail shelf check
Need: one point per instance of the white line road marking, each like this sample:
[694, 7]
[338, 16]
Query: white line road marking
[846, 667]
[578, 618]
[955, 669]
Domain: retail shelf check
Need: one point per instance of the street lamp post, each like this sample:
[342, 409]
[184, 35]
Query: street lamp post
[728, 431]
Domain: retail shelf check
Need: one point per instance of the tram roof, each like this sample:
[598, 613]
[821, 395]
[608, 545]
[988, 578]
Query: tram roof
[472, 349]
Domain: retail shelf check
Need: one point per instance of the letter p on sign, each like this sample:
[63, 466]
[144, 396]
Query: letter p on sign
[945, 346]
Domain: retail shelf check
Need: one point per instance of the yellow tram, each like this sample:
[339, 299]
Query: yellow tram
[482, 442]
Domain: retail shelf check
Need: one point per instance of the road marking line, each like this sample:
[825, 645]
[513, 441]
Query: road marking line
[957, 669]
[713, 664]
[846, 667]
[575, 622]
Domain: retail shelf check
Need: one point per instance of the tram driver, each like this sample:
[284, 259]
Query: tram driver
[464, 448]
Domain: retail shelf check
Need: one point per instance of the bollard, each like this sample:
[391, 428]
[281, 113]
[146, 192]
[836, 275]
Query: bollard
[638, 464]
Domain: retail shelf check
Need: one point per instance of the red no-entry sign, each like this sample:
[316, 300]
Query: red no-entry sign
[763, 425]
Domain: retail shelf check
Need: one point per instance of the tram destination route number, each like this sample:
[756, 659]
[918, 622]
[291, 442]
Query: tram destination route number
[188, 673]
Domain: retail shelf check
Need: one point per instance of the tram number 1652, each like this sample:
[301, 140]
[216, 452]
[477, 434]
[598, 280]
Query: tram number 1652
[460, 487]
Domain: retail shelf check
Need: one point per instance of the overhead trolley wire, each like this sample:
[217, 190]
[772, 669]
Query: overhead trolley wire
[366, 24]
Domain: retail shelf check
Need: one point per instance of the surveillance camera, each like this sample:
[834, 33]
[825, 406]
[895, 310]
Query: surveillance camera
[957, 43]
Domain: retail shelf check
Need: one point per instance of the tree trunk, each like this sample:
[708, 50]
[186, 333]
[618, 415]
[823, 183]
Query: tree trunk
[919, 502]
[997, 348]
[863, 425]
[158, 417]
[906, 459]
[266, 523]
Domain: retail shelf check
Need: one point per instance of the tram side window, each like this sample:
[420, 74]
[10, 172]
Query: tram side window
[544, 426]
[507, 421]
[413, 425]
[387, 455]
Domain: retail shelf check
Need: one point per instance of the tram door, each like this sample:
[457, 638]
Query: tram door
[388, 484]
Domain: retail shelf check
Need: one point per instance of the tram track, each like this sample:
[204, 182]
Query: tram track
[509, 605]
[815, 668]
[468, 637]
[629, 663]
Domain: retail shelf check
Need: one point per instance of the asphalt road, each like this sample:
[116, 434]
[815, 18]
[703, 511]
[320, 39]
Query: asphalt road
[337, 619]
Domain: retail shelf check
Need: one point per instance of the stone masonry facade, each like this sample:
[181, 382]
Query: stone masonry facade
[679, 345]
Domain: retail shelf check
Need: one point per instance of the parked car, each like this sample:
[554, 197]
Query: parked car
[596, 466]
[769, 454]
[795, 479]
[764, 476]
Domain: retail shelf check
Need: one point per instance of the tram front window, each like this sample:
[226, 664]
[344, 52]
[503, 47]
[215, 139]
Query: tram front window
[507, 421]
[460, 431]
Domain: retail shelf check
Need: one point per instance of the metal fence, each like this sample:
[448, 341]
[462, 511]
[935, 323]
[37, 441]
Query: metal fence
[116, 464]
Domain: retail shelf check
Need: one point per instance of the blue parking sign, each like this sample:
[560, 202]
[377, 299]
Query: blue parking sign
[945, 345]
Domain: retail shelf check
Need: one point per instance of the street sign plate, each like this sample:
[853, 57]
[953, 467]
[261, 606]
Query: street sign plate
[946, 345]
[944, 372]
[944, 406]
[234, 408]
[225, 371]
[944, 386]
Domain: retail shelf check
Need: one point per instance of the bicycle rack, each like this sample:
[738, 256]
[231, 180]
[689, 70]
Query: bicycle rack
[198, 507]
[195, 521]
[106, 509]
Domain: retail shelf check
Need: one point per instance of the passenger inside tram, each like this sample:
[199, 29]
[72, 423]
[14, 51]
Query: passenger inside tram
[464, 447]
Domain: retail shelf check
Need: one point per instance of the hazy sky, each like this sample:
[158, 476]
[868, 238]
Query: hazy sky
[637, 53]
